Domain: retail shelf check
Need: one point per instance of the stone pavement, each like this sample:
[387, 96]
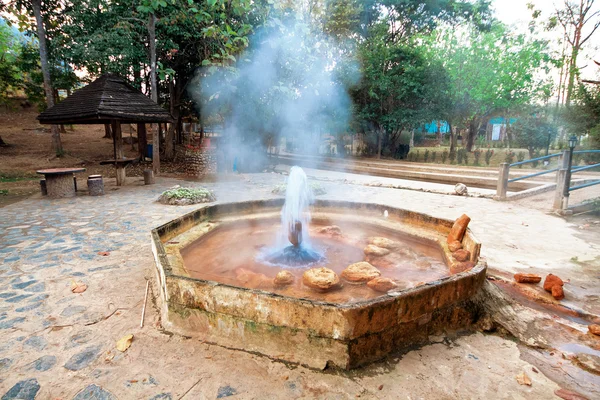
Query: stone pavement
[59, 345]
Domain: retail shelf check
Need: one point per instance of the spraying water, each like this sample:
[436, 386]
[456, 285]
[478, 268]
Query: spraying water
[295, 215]
[295, 219]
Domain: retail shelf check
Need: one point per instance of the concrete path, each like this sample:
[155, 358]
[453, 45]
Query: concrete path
[57, 344]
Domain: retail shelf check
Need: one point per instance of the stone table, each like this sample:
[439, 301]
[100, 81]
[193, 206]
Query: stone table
[59, 181]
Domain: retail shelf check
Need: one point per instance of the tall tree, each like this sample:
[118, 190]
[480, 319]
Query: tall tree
[579, 20]
[493, 71]
[41, 33]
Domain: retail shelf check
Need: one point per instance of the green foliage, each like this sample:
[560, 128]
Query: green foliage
[491, 70]
[477, 156]
[426, 156]
[533, 132]
[452, 156]
[10, 76]
[520, 157]
[433, 156]
[509, 156]
[444, 156]
[489, 153]
[537, 154]
[185, 196]
[460, 156]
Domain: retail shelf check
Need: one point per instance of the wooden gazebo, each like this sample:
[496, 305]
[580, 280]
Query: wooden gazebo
[110, 99]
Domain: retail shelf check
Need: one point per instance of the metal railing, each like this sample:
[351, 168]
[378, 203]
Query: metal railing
[503, 180]
[585, 168]
[564, 178]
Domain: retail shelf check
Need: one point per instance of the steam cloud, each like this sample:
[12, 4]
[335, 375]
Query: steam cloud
[290, 83]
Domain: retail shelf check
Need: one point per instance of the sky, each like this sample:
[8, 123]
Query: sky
[515, 13]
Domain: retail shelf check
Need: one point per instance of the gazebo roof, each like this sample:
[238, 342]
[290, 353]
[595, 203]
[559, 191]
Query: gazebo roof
[108, 98]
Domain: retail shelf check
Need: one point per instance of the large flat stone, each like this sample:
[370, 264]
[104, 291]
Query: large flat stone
[94, 392]
[83, 359]
[23, 390]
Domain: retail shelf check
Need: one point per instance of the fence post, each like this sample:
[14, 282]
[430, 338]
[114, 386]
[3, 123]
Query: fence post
[560, 201]
[502, 182]
[565, 159]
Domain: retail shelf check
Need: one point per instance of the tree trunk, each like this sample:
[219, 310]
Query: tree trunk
[573, 63]
[473, 130]
[411, 143]
[107, 131]
[452, 138]
[379, 138]
[170, 136]
[41, 32]
[154, 90]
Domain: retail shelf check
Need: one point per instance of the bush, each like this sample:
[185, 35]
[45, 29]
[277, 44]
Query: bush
[426, 156]
[417, 156]
[180, 196]
[433, 156]
[537, 154]
[477, 156]
[520, 157]
[466, 157]
[489, 153]
[452, 156]
[509, 157]
[460, 155]
[444, 156]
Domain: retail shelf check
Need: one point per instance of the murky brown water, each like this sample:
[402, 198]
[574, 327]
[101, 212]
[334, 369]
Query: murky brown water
[235, 254]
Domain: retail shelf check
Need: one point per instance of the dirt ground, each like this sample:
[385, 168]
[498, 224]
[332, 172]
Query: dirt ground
[29, 149]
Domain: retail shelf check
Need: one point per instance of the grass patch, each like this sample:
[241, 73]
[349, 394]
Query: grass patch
[15, 177]
[3, 192]
[184, 196]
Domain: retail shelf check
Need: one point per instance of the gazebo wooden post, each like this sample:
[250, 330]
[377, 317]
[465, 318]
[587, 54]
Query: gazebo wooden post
[142, 140]
[118, 151]
[156, 150]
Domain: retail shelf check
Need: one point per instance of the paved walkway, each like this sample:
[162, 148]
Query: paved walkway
[57, 344]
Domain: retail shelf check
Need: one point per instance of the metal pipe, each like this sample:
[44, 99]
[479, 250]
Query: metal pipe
[586, 167]
[584, 185]
[586, 151]
[536, 159]
[530, 175]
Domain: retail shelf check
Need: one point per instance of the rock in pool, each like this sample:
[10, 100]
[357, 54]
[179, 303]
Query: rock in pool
[332, 230]
[283, 278]
[360, 272]
[382, 242]
[372, 250]
[252, 279]
[381, 284]
[321, 279]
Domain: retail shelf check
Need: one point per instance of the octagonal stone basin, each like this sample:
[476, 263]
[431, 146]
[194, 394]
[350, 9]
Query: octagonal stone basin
[201, 297]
